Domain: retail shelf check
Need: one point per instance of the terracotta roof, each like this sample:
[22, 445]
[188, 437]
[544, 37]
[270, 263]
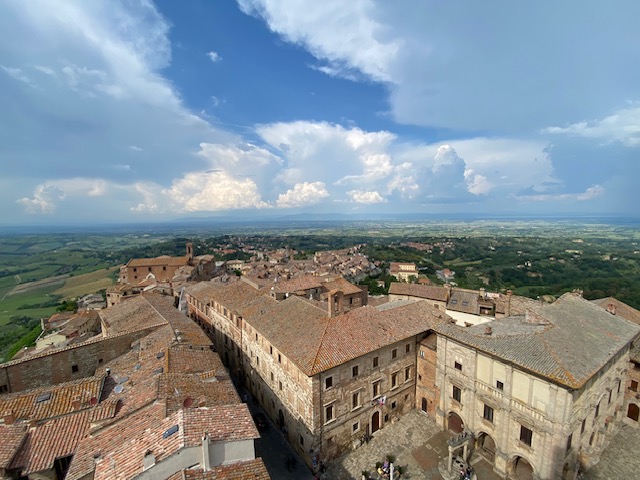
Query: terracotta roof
[555, 341]
[190, 391]
[465, 301]
[620, 308]
[295, 284]
[315, 343]
[249, 470]
[158, 261]
[419, 291]
[12, 438]
[55, 438]
[343, 285]
[135, 313]
[52, 401]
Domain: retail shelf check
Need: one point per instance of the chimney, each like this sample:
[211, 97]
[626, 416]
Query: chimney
[330, 309]
[483, 293]
[611, 308]
[488, 330]
[206, 461]
[75, 403]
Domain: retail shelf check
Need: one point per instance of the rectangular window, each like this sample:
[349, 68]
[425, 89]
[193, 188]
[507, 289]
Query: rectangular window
[394, 405]
[256, 337]
[74, 368]
[394, 353]
[270, 350]
[355, 427]
[610, 393]
[257, 361]
[279, 358]
[354, 371]
[375, 362]
[457, 394]
[328, 383]
[526, 435]
[355, 400]
[280, 385]
[301, 441]
[4, 388]
[569, 440]
[376, 389]
[584, 425]
[394, 380]
[407, 374]
[407, 348]
[488, 413]
[597, 410]
[458, 366]
[634, 386]
[421, 354]
[272, 378]
[499, 385]
[328, 413]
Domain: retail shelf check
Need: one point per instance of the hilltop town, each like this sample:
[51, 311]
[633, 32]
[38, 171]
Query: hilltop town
[164, 377]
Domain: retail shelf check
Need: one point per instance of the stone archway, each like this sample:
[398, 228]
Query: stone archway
[375, 422]
[521, 469]
[455, 423]
[486, 446]
[633, 412]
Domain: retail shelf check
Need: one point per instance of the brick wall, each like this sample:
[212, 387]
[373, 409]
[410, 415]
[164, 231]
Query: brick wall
[70, 363]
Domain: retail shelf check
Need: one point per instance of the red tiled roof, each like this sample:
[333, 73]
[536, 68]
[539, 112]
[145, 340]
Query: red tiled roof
[158, 261]
[12, 438]
[429, 292]
[249, 470]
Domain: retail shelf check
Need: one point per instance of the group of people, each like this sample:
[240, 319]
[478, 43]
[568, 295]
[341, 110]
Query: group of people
[466, 474]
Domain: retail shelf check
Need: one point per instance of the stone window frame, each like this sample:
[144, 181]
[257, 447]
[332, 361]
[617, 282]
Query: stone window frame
[356, 395]
[394, 354]
[329, 412]
[355, 371]
[355, 427]
[376, 385]
[328, 382]
[407, 374]
[394, 380]
[488, 413]
[376, 362]
[526, 436]
[456, 391]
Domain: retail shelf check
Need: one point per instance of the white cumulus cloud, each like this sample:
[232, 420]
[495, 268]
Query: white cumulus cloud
[214, 56]
[360, 196]
[302, 194]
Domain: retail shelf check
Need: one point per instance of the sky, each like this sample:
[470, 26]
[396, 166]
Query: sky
[139, 111]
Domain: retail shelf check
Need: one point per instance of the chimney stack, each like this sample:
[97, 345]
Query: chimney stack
[9, 417]
[75, 403]
[611, 308]
[206, 461]
[488, 330]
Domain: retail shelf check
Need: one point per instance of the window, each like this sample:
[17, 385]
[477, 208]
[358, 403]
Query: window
[149, 268]
[488, 413]
[376, 388]
[499, 385]
[355, 427]
[375, 362]
[257, 361]
[394, 380]
[328, 383]
[584, 425]
[597, 410]
[100, 360]
[394, 353]
[634, 386]
[280, 385]
[458, 366]
[407, 374]
[256, 337]
[301, 441]
[610, 393]
[526, 435]
[328, 413]
[272, 379]
[465, 303]
[74, 368]
[4, 388]
[354, 371]
[270, 349]
[394, 405]
[135, 269]
[569, 439]
[421, 354]
[355, 400]
[407, 348]
[457, 394]
[279, 358]
[164, 269]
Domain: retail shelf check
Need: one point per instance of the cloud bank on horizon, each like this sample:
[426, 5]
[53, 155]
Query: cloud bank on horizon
[120, 111]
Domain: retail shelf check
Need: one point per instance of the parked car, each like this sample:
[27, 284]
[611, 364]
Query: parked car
[260, 421]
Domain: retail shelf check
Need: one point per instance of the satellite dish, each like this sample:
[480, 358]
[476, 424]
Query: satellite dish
[118, 389]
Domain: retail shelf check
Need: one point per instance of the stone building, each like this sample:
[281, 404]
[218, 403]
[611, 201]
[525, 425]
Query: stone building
[542, 392]
[403, 271]
[161, 268]
[326, 379]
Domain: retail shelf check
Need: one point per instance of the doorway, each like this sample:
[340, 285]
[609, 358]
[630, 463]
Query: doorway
[375, 422]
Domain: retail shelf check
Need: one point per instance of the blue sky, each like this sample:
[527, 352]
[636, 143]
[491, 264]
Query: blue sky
[139, 111]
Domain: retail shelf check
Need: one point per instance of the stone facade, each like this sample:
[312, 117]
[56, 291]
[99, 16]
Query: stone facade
[528, 423]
